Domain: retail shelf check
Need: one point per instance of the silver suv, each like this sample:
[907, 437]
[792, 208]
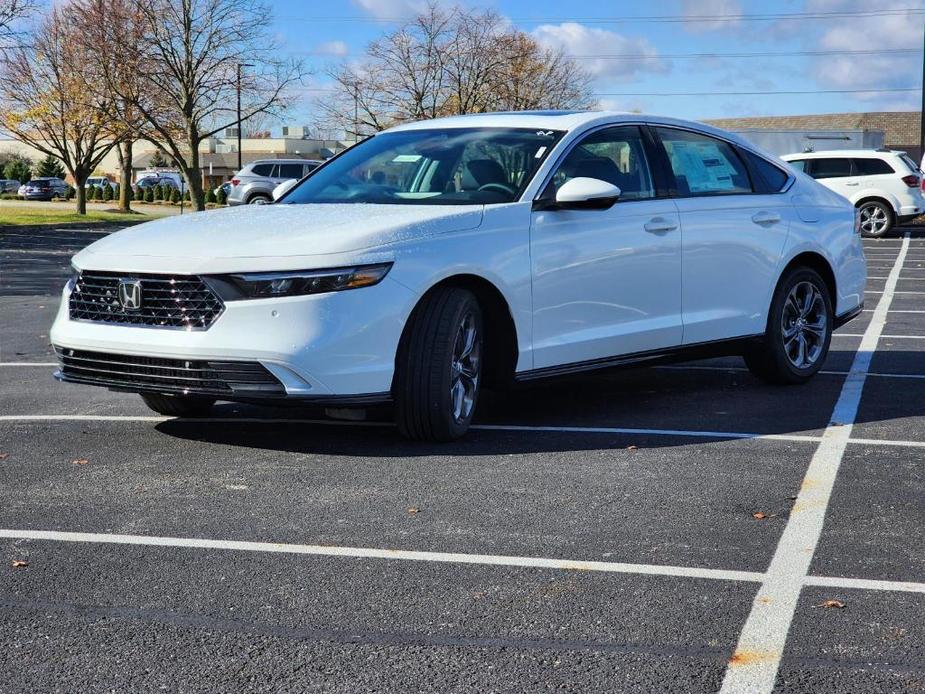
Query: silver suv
[254, 184]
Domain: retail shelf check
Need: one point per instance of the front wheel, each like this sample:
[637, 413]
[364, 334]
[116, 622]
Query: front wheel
[439, 367]
[178, 405]
[798, 333]
[876, 219]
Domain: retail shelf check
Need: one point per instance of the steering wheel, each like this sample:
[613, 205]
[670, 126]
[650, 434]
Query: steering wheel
[498, 188]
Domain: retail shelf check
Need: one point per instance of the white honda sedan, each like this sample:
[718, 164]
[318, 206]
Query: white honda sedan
[441, 256]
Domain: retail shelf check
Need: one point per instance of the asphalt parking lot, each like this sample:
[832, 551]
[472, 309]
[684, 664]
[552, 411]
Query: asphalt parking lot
[683, 528]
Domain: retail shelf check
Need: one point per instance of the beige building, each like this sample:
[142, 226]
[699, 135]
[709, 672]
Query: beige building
[900, 128]
[218, 155]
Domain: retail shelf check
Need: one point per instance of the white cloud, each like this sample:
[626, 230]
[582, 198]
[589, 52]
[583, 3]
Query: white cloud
[691, 9]
[871, 71]
[391, 9]
[580, 40]
[336, 48]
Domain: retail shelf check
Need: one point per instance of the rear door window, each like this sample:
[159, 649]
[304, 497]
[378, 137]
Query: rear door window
[834, 167]
[704, 165]
[289, 171]
[262, 169]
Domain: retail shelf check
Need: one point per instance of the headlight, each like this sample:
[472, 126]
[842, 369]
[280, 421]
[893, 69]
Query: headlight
[262, 285]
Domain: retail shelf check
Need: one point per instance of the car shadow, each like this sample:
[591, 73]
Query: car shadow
[560, 415]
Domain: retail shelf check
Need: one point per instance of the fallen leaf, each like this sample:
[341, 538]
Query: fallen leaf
[760, 515]
[4, 456]
[413, 509]
[80, 461]
[19, 564]
[838, 604]
[632, 448]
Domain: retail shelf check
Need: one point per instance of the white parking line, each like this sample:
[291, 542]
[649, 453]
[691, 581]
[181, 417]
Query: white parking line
[885, 337]
[753, 667]
[742, 369]
[373, 553]
[797, 438]
[864, 584]
[448, 558]
[684, 433]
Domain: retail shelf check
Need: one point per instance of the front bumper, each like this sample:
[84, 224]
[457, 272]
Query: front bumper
[335, 347]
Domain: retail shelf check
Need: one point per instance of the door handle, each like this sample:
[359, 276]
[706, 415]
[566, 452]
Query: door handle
[659, 224]
[852, 183]
[766, 218]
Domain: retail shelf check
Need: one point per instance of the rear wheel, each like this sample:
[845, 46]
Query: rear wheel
[876, 218]
[439, 368]
[798, 333]
[178, 405]
[259, 199]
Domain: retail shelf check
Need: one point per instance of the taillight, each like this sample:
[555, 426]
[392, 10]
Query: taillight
[912, 181]
[235, 181]
[923, 184]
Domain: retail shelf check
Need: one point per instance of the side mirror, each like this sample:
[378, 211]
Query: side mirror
[283, 188]
[586, 194]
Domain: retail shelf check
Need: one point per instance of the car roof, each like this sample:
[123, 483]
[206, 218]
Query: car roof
[562, 120]
[284, 161]
[855, 153]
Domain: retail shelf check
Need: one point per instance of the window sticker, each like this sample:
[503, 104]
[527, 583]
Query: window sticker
[704, 165]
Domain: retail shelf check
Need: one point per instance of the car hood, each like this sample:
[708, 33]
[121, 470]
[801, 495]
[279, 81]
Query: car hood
[258, 237]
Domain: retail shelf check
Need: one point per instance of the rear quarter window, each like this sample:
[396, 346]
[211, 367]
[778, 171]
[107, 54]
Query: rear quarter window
[262, 169]
[768, 178]
[872, 167]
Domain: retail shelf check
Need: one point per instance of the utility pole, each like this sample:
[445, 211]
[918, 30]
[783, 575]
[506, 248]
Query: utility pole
[240, 65]
[922, 114]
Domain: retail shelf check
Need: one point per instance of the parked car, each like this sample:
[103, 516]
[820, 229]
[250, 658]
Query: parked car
[885, 185]
[226, 186]
[436, 257]
[162, 177]
[44, 189]
[153, 181]
[9, 185]
[98, 182]
[254, 184]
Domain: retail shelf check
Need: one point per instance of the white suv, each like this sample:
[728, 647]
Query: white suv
[439, 256]
[886, 186]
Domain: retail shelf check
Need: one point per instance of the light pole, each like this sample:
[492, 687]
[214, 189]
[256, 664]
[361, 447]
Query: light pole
[240, 65]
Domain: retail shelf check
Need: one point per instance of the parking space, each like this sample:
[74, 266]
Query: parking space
[613, 532]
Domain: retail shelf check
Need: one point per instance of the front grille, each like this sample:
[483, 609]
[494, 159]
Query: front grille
[167, 301]
[156, 374]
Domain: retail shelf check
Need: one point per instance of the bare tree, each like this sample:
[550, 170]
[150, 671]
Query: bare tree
[12, 13]
[447, 62]
[111, 30]
[42, 99]
[190, 55]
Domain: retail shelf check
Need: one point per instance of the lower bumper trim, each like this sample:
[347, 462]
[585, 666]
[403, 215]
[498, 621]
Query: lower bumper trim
[848, 316]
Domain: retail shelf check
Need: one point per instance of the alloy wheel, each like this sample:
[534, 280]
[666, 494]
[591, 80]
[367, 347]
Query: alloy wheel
[874, 219]
[465, 368]
[804, 324]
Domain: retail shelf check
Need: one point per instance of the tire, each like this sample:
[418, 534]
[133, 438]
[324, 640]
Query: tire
[777, 357]
[876, 219]
[259, 199]
[439, 367]
[178, 405]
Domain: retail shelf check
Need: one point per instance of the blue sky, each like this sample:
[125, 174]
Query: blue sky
[340, 29]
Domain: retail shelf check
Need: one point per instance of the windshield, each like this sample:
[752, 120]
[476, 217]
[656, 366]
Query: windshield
[458, 166]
